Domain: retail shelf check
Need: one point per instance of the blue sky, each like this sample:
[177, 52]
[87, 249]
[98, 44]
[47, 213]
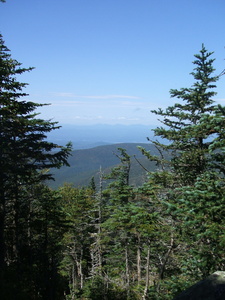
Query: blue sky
[110, 61]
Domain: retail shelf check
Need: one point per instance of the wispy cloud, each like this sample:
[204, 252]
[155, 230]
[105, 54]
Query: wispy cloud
[104, 118]
[136, 105]
[71, 95]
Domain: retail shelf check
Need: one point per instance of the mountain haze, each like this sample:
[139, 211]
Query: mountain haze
[89, 136]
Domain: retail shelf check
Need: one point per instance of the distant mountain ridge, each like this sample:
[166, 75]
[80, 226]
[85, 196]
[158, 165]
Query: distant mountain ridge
[86, 163]
[89, 136]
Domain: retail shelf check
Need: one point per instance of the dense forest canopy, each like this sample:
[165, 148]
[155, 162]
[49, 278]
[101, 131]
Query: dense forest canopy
[118, 242]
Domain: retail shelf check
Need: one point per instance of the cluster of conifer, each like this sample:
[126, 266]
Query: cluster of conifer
[119, 242]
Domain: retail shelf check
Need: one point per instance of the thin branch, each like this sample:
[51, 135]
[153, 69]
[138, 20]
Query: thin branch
[141, 164]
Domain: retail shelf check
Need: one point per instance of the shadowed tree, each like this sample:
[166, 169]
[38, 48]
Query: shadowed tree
[25, 154]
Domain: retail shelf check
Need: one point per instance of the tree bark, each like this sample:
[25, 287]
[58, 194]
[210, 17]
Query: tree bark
[138, 261]
[147, 274]
[166, 257]
[127, 271]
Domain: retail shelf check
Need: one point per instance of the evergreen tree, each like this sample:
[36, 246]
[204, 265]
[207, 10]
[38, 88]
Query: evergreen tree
[188, 136]
[202, 209]
[25, 155]
[191, 180]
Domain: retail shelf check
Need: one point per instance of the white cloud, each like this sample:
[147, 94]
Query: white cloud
[71, 95]
[67, 103]
[66, 95]
[108, 109]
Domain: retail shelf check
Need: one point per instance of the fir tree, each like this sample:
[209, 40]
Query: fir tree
[188, 136]
[191, 180]
[25, 154]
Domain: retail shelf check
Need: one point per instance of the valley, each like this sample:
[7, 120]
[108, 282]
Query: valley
[86, 163]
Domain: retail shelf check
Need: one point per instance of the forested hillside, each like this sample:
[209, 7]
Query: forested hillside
[86, 163]
[114, 241]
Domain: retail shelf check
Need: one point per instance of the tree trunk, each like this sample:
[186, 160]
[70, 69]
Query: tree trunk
[147, 274]
[138, 261]
[166, 257]
[127, 271]
[80, 270]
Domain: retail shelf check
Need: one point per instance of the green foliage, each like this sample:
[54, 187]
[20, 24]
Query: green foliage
[154, 241]
[78, 206]
[120, 242]
[25, 157]
[170, 288]
[92, 184]
[202, 210]
[188, 134]
[190, 181]
[96, 288]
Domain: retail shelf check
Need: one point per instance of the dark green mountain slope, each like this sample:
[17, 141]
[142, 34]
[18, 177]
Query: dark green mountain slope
[86, 163]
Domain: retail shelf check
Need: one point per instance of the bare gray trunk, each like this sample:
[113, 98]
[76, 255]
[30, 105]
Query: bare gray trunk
[147, 274]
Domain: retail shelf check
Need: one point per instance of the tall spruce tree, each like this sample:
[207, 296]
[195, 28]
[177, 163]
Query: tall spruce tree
[191, 179]
[188, 136]
[25, 153]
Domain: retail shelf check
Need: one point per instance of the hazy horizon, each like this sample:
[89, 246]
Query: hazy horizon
[87, 136]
